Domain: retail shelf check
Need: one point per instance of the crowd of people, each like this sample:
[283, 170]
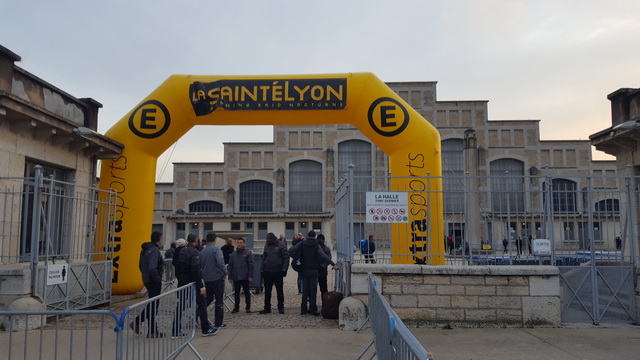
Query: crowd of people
[209, 266]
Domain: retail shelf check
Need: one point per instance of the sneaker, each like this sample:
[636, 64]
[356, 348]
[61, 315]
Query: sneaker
[281, 311]
[234, 311]
[248, 311]
[135, 327]
[303, 313]
[156, 335]
[211, 331]
[314, 313]
[178, 336]
[223, 326]
[265, 311]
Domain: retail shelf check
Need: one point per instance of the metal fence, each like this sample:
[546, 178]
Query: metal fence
[46, 222]
[391, 338]
[102, 334]
[495, 219]
[590, 223]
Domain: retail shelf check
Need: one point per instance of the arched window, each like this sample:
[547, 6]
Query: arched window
[564, 195]
[608, 206]
[453, 175]
[507, 185]
[205, 207]
[305, 186]
[358, 153]
[256, 196]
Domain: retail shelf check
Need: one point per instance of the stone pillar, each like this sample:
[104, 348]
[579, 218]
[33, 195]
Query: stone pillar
[280, 205]
[471, 172]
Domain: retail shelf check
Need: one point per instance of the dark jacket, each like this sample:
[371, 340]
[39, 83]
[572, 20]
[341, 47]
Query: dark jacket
[240, 265]
[212, 262]
[175, 260]
[275, 258]
[312, 256]
[169, 253]
[189, 267]
[226, 251]
[150, 263]
[324, 264]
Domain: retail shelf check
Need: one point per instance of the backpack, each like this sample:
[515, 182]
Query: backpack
[364, 246]
[296, 262]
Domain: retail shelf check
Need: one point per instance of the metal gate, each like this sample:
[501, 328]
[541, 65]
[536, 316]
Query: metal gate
[595, 294]
[344, 234]
[47, 224]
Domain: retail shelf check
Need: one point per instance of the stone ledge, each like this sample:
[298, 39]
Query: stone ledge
[493, 270]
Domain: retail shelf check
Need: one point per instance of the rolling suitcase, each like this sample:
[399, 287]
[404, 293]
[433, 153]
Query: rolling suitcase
[331, 304]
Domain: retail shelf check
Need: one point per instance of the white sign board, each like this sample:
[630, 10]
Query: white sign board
[541, 247]
[57, 274]
[387, 207]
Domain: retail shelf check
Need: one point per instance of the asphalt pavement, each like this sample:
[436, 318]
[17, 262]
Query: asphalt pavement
[291, 336]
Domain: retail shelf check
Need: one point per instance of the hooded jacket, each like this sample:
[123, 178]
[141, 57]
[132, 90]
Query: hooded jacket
[240, 265]
[189, 267]
[312, 255]
[150, 263]
[275, 257]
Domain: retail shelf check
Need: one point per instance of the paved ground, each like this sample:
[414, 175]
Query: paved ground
[291, 336]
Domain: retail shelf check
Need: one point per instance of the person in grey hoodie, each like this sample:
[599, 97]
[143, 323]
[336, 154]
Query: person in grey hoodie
[241, 274]
[150, 265]
[214, 273]
[275, 263]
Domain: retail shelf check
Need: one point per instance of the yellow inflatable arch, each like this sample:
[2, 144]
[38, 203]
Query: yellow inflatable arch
[361, 99]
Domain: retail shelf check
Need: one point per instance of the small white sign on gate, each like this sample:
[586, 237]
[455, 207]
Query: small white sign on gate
[541, 247]
[387, 207]
[57, 274]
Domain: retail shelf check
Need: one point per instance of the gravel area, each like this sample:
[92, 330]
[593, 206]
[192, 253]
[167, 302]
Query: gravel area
[290, 319]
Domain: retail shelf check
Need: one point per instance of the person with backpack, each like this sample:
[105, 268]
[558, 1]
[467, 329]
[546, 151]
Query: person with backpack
[189, 270]
[150, 265]
[311, 256]
[367, 248]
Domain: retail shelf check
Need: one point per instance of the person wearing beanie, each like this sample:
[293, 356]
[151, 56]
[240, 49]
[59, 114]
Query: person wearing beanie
[311, 255]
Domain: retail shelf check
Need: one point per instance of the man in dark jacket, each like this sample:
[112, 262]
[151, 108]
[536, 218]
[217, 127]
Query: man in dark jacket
[322, 271]
[312, 256]
[189, 270]
[275, 263]
[150, 265]
[241, 274]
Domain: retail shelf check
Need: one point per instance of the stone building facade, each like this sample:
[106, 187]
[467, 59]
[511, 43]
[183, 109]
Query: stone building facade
[41, 125]
[291, 180]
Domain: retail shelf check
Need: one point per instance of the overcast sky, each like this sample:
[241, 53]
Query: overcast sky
[552, 60]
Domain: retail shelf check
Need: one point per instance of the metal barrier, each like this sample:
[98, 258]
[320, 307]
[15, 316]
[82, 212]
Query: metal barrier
[391, 338]
[102, 334]
[168, 275]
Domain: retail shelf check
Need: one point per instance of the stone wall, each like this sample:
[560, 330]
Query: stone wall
[466, 295]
